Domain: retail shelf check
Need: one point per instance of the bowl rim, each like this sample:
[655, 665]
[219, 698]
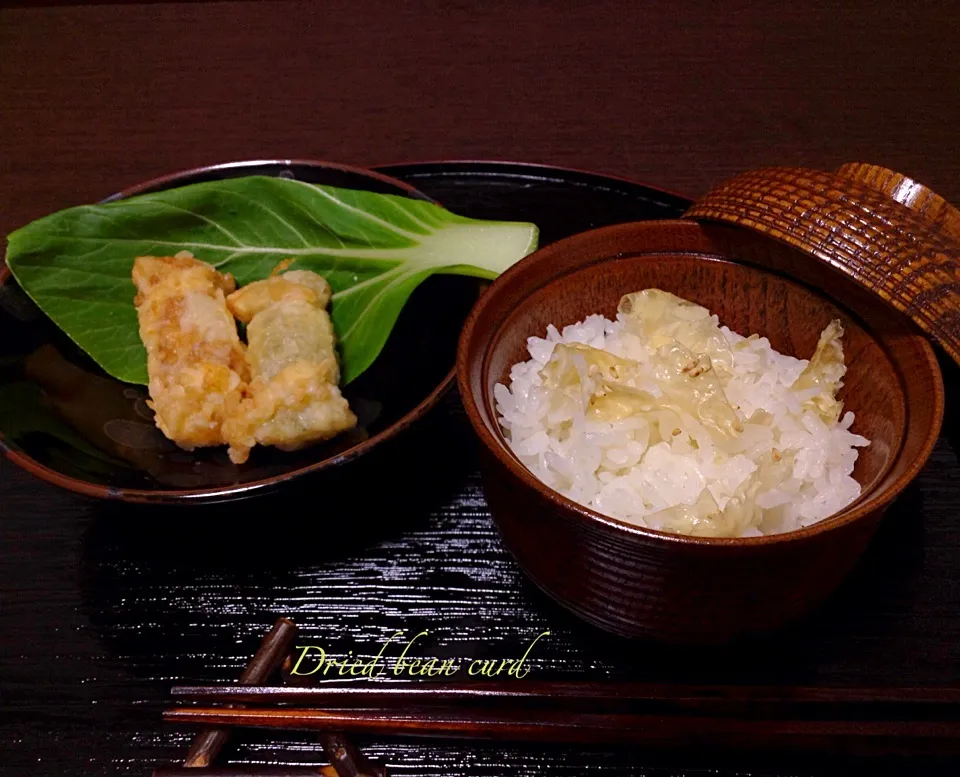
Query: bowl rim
[254, 487]
[496, 444]
[476, 164]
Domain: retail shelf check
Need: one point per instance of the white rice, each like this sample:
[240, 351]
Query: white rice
[787, 470]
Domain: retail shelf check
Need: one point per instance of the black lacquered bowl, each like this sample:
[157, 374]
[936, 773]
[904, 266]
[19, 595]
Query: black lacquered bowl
[63, 419]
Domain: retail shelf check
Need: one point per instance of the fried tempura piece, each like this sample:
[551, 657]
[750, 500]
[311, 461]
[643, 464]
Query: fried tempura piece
[294, 286]
[195, 360]
[293, 398]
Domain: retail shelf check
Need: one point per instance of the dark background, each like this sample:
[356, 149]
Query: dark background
[679, 94]
[103, 608]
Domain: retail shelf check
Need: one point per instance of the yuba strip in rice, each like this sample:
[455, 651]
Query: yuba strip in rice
[665, 419]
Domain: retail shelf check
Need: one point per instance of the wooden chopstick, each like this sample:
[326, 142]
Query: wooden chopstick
[209, 742]
[345, 759]
[569, 694]
[548, 725]
[246, 771]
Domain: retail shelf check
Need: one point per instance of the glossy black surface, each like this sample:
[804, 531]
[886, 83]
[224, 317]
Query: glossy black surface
[104, 607]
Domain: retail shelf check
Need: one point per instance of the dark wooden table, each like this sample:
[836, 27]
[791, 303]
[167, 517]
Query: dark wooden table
[102, 608]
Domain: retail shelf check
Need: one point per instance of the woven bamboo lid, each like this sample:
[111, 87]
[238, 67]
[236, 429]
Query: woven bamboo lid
[889, 233]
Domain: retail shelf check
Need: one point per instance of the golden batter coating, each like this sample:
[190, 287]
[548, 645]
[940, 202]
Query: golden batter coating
[195, 360]
[293, 399]
[292, 286]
